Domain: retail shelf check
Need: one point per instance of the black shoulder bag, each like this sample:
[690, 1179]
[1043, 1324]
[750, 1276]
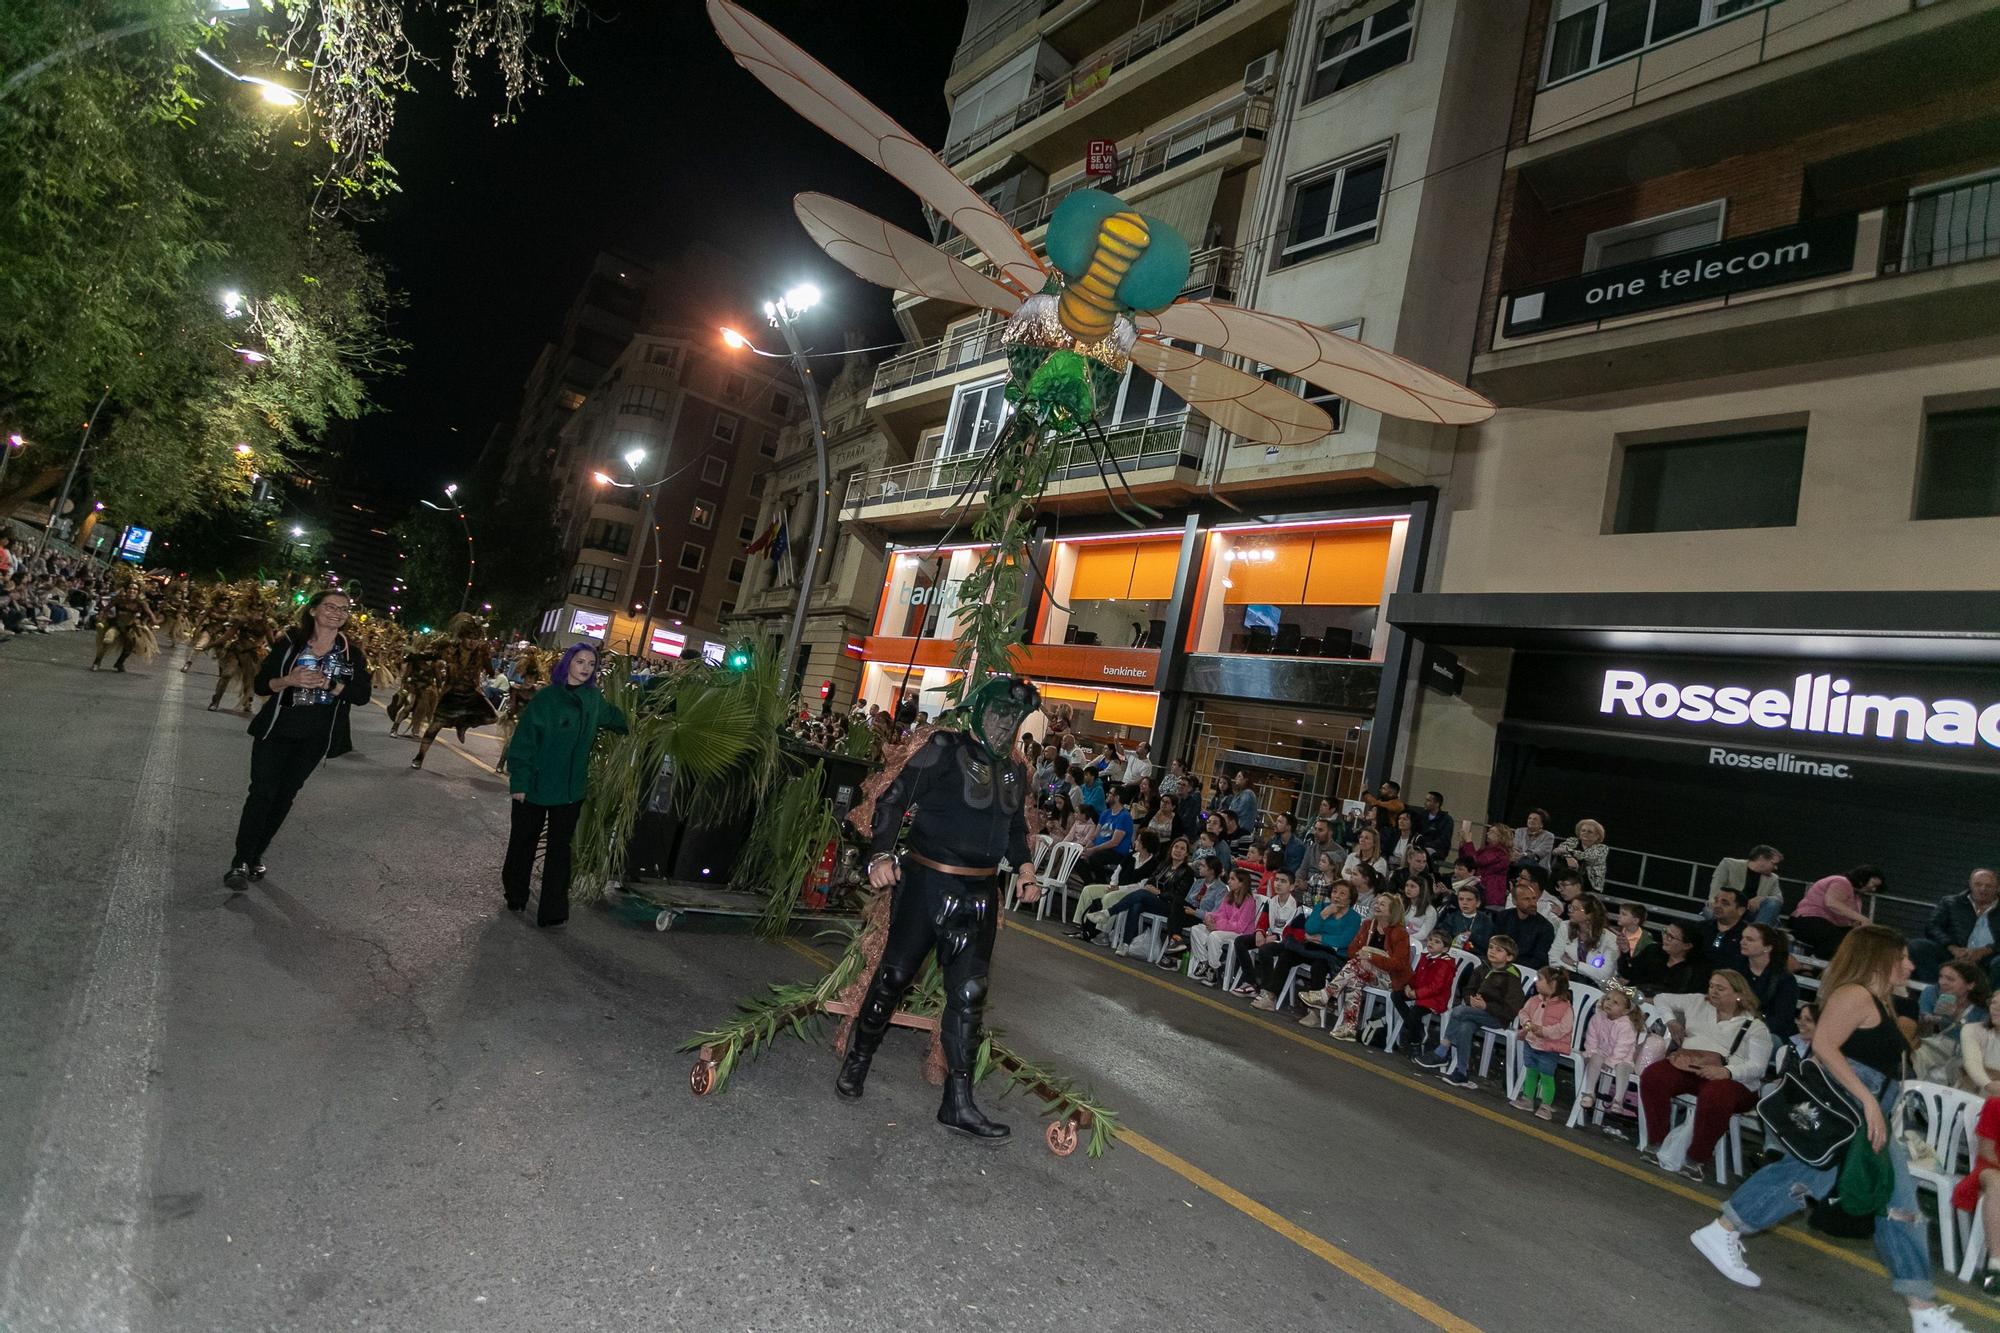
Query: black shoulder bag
[1809, 1115]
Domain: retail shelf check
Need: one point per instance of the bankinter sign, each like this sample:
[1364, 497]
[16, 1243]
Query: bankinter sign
[1822, 704]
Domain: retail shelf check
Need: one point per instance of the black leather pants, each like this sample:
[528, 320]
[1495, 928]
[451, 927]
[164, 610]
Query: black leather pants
[956, 917]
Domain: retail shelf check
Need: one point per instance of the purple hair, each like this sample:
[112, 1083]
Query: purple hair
[569, 656]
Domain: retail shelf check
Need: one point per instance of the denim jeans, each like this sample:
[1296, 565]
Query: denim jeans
[1461, 1026]
[1782, 1188]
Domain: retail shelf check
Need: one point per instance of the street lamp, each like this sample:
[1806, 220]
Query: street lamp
[784, 314]
[648, 529]
[76, 460]
[14, 445]
[471, 555]
[276, 94]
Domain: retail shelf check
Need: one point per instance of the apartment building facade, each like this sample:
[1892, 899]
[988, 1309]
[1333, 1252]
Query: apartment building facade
[1324, 161]
[657, 476]
[1742, 314]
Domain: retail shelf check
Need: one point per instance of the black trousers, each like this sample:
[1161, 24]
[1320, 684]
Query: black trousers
[956, 917]
[522, 835]
[1274, 961]
[278, 768]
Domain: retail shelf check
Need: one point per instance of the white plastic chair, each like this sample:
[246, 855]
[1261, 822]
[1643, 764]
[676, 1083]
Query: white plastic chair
[1232, 966]
[1507, 1036]
[1583, 998]
[1728, 1148]
[1055, 879]
[1950, 1117]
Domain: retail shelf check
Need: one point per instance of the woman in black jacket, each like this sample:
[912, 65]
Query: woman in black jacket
[309, 679]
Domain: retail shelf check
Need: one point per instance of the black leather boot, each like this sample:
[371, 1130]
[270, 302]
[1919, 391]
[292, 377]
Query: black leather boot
[960, 1116]
[847, 1085]
[870, 1024]
[958, 1036]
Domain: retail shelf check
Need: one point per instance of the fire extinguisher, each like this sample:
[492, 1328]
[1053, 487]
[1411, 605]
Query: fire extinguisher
[821, 875]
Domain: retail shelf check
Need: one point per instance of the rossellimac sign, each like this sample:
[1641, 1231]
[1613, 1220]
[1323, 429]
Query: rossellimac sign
[1814, 249]
[1820, 704]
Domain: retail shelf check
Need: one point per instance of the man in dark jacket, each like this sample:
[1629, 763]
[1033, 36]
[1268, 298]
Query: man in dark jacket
[1962, 929]
[1433, 826]
[1533, 933]
[1493, 995]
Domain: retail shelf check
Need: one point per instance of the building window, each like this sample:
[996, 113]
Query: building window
[1326, 401]
[1958, 473]
[691, 556]
[597, 581]
[680, 601]
[1724, 481]
[714, 471]
[601, 534]
[1590, 33]
[1953, 221]
[977, 414]
[570, 400]
[1333, 208]
[1650, 238]
[643, 402]
[726, 610]
[781, 404]
[734, 387]
[664, 356]
[747, 529]
[1358, 51]
[1141, 397]
[703, 515]
[768, 445]
[725, 428]
[736, 568]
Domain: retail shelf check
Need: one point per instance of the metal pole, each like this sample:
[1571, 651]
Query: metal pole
[471, 556]
[70, 480]
[797, 640]
[648, 536]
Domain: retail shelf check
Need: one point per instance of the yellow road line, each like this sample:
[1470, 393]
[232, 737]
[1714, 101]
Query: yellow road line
[1360, 1270]
[1365, 1273]
[466, 755]
[1653, 1178]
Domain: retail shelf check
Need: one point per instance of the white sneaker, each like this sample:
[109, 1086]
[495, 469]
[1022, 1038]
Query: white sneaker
[1937, 1319]
[1724, 1248]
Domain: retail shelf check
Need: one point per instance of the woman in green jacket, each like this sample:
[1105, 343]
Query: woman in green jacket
[548, 767]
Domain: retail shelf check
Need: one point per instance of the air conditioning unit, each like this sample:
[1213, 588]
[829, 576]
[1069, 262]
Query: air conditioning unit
[1261, 72]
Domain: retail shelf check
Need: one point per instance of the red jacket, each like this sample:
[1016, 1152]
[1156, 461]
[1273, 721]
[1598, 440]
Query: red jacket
[1490, 863]
[1396, 945]
[1432, 979]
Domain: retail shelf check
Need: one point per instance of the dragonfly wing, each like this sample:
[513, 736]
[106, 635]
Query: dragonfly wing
[888, 256]
[1233, 399]
[816, 93]
[1357, 372]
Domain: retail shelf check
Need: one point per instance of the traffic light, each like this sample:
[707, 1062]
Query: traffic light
[739, 657]
[299, 597]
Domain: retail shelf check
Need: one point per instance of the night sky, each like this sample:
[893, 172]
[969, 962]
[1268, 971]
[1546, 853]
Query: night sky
[666, 142]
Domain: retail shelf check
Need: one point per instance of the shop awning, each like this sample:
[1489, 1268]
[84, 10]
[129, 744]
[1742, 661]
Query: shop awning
[1937, 627]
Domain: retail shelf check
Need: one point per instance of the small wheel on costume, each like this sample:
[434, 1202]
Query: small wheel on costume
[664, 921]
[701, 1079]
[1061, 1135]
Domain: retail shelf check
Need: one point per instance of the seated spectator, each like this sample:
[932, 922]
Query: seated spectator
[1962, 929]
[1464, 874]
[1585, 946]
[1490, 858]
[1362, 885]
[1586, 851]
[1723, 1050]
[1492, 997]
[1633, 937]
[1428, 994]
[1201, 899]
[1320, 946]
[1141, 873]
[1722, 933]
[1832, 907]
[1158, 897]
[1367, 851]
[1547, 1031]
[1280, 912]
[1208, 843]
[1176, 782]
[1979, 1052]
[1052, 776]
[1676, 966]
[1434, 826]
[1767, 966]
[1379, 957]
[1383, 805]
[1241, 801]
[1756, 876]
[1533, 841]
[1323, 843]
[1569, 887]
[1288, 844]
[1166, 819]
[1325, 874]
[1467, 924]
[1088, 793]
[1082, 826]
[1961, 997]
[1787, 1053]
[1982, 1186]
[1524, 923]
[1418, 890]
[1610, 1048]
[1405, 838]
[1215, 930]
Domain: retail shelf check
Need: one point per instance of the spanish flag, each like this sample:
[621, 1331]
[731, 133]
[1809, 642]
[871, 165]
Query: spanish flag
[768, 536]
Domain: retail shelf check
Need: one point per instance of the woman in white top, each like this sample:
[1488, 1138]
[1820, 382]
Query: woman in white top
[1367, 851]
[1585, 945]
[1723, 1052]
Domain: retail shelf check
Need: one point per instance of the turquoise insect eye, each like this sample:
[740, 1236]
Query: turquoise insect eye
[1154, 279]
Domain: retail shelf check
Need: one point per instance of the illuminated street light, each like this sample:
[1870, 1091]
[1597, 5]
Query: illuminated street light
[276, 94]
[734, 340]
[242, 450]
[634, 457]
[298, 531]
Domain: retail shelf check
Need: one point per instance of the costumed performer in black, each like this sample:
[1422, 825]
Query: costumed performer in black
[967, 792]
[309, 679]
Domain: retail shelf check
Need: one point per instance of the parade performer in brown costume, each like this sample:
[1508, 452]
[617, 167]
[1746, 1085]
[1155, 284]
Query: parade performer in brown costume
[464, 655]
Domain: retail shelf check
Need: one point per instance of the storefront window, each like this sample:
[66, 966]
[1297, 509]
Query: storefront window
[1300, 592]
[921, 592]
[1111, 594]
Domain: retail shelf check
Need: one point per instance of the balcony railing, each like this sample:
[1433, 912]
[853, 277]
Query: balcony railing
[996, 28]
[1212, 131]
[942, 357]
[1141, 446]
[1091, 73]
[1953, 224]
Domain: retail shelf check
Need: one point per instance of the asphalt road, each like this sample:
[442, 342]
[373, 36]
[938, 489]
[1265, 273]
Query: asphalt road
[363, 1096]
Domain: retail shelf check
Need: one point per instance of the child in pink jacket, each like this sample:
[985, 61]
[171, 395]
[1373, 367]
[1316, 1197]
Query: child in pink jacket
[1546, 1027]
[1208, 942]
[1611, 1046]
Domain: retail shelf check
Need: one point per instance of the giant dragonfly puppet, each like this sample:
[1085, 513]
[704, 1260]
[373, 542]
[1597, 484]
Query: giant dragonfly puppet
[1104, 301]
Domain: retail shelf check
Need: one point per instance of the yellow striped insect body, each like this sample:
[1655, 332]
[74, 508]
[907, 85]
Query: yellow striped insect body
[1114, 259]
